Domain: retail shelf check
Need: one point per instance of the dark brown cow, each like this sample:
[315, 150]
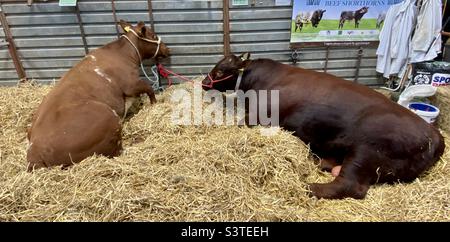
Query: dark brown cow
[350, 15]
[304, 18]
[350, 126]
[83, 113]
[316, 17]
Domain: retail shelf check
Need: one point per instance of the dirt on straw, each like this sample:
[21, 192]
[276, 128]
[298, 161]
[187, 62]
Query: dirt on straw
[195, 173]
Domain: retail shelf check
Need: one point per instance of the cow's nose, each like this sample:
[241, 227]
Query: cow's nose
[166, 52]
[205, 84]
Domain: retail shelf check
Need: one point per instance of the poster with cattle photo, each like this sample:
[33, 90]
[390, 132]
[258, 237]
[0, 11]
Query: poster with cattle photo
[337, 21]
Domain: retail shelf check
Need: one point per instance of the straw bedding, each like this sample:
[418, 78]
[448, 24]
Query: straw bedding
[194, 173]
[442, 101]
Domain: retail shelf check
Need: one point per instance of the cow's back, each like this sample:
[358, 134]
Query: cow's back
[347, 15]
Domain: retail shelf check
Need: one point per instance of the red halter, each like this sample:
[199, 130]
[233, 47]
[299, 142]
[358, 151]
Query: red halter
[165, 73]
[212, 81]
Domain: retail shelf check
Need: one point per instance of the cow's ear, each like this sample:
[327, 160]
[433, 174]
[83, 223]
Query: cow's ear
[323, 11]
[140, 29]
[244, 56]
[125, 25]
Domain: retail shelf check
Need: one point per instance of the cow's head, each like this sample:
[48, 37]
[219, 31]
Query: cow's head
[147, 42]
[364, 10]
[320, 13]
[224, 75]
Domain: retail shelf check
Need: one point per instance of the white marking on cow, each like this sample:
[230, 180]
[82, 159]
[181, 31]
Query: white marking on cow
[92, 57]
[100, 73]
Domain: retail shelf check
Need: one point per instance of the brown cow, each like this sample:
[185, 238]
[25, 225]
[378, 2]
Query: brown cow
[360, 133]
[83, 113]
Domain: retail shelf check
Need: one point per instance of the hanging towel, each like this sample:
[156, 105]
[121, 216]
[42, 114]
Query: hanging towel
[393, 50]
[428, 32]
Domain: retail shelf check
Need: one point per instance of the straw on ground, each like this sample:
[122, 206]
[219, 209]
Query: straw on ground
[195, 173]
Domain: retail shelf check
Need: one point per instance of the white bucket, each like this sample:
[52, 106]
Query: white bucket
[415, 91]
[426, 111]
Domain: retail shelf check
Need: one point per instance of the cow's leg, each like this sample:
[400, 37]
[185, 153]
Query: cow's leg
[339, 188]
[151, 95]
[138, 88]
[353, 179]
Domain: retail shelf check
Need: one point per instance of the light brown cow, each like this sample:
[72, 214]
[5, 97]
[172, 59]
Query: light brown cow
[82, 115]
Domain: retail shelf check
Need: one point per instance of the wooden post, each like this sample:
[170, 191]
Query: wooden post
[113, 6]
[12, 46]
[358, 63]
[150, 14]
[152, 25]
[226, 27]
[83, 35]
[29, 2]
[327, 54]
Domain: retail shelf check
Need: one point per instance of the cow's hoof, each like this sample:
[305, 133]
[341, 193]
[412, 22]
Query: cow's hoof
[318, 190]
[335, 190]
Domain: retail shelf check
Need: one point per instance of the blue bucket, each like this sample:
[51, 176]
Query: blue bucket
[426, 111]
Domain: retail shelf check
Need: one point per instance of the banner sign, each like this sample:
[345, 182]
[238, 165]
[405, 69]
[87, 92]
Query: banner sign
[315, 22]
[67, 3]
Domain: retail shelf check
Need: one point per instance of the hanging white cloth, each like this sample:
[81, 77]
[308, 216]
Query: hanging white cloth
[394, 47]
[428, 32]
